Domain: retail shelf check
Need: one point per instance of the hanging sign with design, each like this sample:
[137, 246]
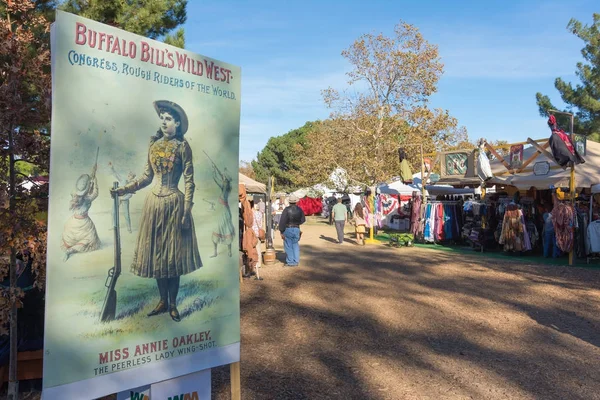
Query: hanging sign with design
[580, 144]
[516, 156]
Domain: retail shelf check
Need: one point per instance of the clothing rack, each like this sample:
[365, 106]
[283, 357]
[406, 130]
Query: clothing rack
[591, 255]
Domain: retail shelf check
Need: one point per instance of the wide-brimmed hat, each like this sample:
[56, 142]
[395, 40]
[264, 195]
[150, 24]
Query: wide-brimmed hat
[175, 109]
[82, 186]
[293, 199]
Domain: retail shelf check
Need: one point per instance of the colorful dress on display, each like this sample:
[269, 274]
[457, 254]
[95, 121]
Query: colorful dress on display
[513, 230]
[165, 248]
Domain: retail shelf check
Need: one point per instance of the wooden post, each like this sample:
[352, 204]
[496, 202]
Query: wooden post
[236, 387]
[498, 157]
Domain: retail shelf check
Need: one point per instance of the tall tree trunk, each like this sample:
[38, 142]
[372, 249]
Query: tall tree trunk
[13, 383]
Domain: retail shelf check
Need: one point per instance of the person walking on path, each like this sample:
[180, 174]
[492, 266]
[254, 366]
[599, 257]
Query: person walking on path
[360, 223]
[340, 216]
[289, 226]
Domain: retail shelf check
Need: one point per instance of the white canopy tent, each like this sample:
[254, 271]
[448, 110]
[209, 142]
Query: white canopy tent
[398, 188]
[586, 174]
[252, 186]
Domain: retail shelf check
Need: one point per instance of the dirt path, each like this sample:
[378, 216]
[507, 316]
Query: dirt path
[373, 322]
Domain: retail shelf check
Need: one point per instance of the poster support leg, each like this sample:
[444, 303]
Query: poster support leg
[236, 387]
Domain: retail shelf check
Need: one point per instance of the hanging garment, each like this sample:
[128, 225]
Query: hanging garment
[593, 236]
[430, 216]
[534, 235]
[405, 172]
[580, 234]
[585, 234]
[468, 206]
[563, 219]
[457, 221]
[438, 222]
[378, 212]
[415, 214]
[526, 241]
[448, 221]
[562, 148]
[484, 171]
[512, 229]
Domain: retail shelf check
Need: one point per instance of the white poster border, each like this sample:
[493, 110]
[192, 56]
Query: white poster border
[153, 373]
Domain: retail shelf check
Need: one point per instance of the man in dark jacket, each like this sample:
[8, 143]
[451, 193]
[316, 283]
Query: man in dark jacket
[289, 226]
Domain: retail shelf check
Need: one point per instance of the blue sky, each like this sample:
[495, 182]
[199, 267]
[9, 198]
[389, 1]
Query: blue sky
[497, 55]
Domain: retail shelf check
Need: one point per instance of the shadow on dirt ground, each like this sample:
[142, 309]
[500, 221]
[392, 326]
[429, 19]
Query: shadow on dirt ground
[371, 322]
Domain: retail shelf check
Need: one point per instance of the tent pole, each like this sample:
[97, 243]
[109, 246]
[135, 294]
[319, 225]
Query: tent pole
[572, 185]
[422, 176]
[371, 200]
[572, 188]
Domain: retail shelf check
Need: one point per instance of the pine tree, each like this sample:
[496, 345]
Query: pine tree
[151, 18]
[583, 99]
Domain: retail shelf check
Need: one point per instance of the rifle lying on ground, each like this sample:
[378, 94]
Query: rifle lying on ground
[109, 308]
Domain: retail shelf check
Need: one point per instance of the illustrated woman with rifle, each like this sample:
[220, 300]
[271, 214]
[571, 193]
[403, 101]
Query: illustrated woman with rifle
[224, 232]
[79, 234]
[166, 247]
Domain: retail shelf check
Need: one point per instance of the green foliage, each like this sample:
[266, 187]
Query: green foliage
[177, 39]
[279, 157]
[151, 18]
[28, 169]
[582, 99]
[594, 137]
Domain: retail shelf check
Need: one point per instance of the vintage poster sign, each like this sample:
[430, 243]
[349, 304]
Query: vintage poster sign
[516, 156]
[142, 279]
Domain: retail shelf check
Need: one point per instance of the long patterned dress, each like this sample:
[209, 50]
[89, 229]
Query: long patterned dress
[165, 248]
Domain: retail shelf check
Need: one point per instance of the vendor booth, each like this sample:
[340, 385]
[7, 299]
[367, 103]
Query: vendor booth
[532, 209]
[396, 200]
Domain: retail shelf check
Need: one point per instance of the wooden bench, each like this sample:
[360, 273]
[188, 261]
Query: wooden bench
[29, 366]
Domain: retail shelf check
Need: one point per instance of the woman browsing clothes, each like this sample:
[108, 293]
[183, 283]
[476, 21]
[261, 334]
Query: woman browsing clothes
[166, 247]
